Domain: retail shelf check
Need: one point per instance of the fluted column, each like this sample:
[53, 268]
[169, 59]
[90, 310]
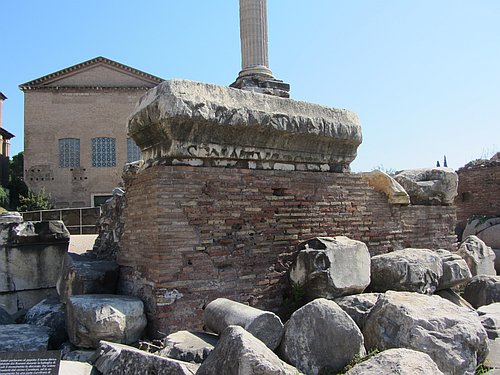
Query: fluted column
[253, 35]
[255, 74]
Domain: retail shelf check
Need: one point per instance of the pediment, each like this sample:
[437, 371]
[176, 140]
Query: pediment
[98, 72]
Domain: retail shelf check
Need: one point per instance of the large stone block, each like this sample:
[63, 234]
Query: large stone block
[94, 317]
[451, 335]
[188, 346]
[483, 290]
[320, 336]
[190, 120]
[479, 257]
[331, 267]
[239, 352]
[384, 183]
[435, 186]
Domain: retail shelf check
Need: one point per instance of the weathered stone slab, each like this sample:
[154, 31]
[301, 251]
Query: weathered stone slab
[76, 368]
[482, 290]
[490, 319]
[188, 346]
[239, 352]
[384, 183]
[116, 359]
[452, 336]
[23, 338]
[94, 317]
[397, 361]
[49, 313]
[85, 274]
[454, 298]
[434, 186]
[185, 120]
[320, 336]
[479, 257]
[358, 306]
[331, 267]
[265, 325]
[455, 270]
[412, 270]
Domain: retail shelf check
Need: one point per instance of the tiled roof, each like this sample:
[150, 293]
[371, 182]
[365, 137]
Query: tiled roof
[40, 82]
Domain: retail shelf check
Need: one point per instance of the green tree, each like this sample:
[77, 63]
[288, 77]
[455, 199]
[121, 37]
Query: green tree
[16, 186]
[34, 201]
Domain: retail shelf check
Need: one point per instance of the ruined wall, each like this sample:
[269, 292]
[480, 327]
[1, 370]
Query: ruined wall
[196, 233]
[478, 190]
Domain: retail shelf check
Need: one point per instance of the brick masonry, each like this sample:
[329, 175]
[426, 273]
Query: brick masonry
[193, 234]
[478, 191]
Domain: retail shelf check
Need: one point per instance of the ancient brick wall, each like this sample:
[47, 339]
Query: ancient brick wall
[194, 234]
[478, 190]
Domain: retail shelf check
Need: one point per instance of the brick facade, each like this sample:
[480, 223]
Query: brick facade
[478, 191]
[193, 234]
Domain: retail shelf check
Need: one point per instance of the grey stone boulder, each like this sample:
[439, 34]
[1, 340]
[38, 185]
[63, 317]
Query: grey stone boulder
[5, 317]
[320, 336]
[23, 338]
[118, 359]
[490, 319]
[486, 229]
[181, 119]
[455, 270]
[85, 274]
[452, 336]
[434, 186]
[384, 183]
[454, 298]
[331, 267]
[49, 313]
[358, 306]
[265, 325]
[188, 346]
[482, 290]
[397, 361]
[479, 257]
[239, 352]
[94, 317]
[412, 270]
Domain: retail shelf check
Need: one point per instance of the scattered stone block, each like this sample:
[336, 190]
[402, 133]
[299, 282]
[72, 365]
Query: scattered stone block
[455, 270]
[117, 359]
[188, 346]
[482, 290]
[94, 317]
[397, 361]
[452, 336]
[189, 120]
[490, 319]
[265, 325]
[320, 336]
[23, 338]
[412, 270]
[429, 187]
[384, 183]
[85, 274]
[358, 306]
[239, 352]
[331, 267]
[479, 257]
[49, 313]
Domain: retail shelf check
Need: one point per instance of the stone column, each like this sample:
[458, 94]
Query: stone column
[255, 74]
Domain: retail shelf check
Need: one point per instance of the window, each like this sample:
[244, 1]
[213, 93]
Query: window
[133, 151]
[69, 153]
[103, 152]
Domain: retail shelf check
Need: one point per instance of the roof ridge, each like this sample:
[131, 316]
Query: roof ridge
[95, 60]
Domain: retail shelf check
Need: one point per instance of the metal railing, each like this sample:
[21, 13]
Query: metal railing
[78, 220]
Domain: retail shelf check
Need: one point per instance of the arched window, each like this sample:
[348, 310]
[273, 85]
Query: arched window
[69, 153]
[103, 152]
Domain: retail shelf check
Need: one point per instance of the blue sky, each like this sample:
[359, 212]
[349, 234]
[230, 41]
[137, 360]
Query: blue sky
[423, 76]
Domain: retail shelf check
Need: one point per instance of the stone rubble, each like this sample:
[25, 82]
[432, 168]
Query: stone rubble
[479, 257]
